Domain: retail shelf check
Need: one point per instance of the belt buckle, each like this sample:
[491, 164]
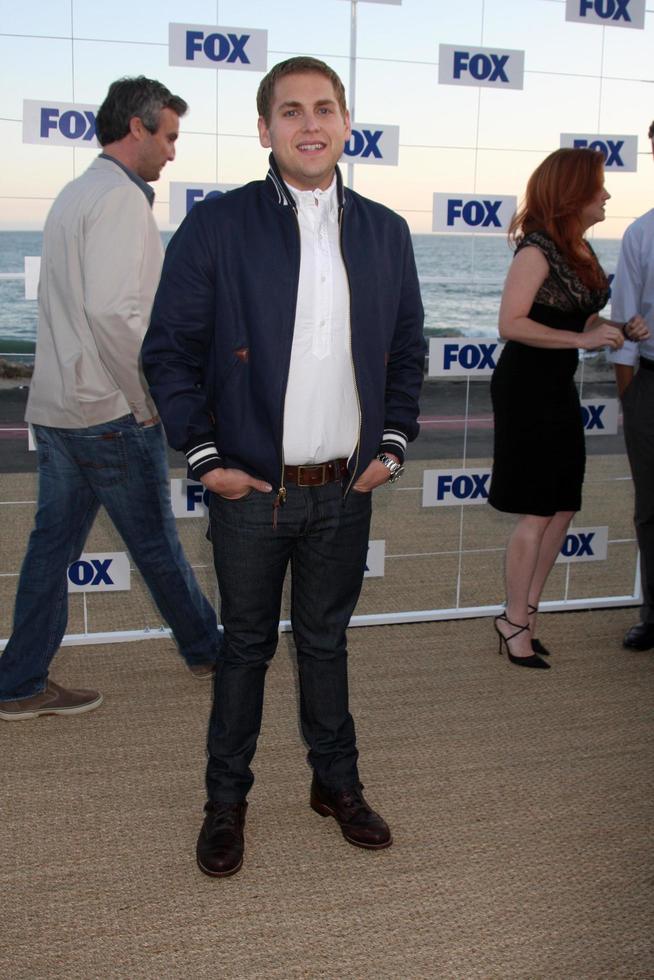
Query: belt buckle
[312, 466]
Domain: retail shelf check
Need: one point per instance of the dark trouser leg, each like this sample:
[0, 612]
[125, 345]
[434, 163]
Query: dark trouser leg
[328, 565]
[251, 558]
[638, 409]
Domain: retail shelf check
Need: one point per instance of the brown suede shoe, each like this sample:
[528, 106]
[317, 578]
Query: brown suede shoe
[359, 823]
[202, 671]
[220, 845]
[55, 700]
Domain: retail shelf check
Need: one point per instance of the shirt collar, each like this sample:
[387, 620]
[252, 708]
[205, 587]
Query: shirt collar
[309, 199]
[145, 187]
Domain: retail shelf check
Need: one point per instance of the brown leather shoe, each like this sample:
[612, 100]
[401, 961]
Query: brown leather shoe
[220, 845]
[359, 823]
[202, 671]
[55, 700]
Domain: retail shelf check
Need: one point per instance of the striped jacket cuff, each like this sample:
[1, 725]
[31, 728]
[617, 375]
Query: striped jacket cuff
[202, 457]
[394, 441]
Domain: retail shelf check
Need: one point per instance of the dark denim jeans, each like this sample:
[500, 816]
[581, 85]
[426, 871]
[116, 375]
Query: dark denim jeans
[122, 466]
[325, 539]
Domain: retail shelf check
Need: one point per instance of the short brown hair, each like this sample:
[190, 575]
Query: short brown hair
[651, 131]
[296, 66]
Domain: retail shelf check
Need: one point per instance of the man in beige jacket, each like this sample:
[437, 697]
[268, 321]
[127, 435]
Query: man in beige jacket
[98, 437]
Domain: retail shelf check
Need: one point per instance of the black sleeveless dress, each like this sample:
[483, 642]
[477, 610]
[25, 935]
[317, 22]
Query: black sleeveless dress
[539, 449]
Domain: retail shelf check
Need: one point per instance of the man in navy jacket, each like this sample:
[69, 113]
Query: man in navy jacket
[285, 355]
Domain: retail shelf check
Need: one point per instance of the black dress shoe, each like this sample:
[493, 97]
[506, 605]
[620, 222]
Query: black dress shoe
[220, 844]
[359, 823]
[640, 637]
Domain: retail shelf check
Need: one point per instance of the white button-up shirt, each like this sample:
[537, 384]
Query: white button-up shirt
[633, 287]
[321, 410]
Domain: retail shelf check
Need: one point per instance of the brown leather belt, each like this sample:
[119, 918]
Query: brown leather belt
[316, 474]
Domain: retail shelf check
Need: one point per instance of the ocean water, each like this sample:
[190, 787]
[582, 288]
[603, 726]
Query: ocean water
[461, 279]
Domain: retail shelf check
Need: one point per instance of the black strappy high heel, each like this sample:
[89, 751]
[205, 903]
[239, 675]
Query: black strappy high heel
[532, 661]
[536, 645]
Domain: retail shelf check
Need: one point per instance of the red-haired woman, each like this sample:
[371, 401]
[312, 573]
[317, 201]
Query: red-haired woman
[553, 292]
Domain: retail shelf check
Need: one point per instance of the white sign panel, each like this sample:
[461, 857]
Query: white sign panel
[32, 266]
[488, 214]
[584, 544]
[189, 498]
[208, 46]
[600, 416]
[608, 13]
[108, 572]
[450, 488]
[373, 143]
[464, 64]
[375, 559]
[184, 195]
[456, 357]
[59, 123]
[620, 152]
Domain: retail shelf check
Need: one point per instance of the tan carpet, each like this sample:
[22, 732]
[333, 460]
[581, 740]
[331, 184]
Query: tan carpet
[520, 802]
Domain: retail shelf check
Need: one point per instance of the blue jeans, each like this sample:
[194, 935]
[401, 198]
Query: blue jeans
[122, 466]
[325, 538]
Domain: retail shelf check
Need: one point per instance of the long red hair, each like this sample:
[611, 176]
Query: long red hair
[564, 183]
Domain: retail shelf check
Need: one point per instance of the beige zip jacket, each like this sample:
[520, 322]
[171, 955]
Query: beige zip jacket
[100, 267]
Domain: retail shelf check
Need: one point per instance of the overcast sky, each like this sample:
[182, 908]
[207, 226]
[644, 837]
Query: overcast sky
[578, 78]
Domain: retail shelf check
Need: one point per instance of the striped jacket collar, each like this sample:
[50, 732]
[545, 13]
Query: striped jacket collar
[280, 191]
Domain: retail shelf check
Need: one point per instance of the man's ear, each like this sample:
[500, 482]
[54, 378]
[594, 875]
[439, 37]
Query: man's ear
[136, 128]
[264, 134]
[348, 125]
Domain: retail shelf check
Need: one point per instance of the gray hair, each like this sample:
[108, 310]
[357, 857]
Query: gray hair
[128, 97]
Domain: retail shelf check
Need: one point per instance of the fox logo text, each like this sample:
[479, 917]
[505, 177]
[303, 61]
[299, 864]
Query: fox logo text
[585, 544]
[465, 65]
[373, 143]
[620, 152]
[600, 418]
[375, 559]
[59, 123]
[447, 488]
[488, 214]
[189, 498]
[608, 13]
[202, 46]
[183, 196]
[109, 572]
[475, 357]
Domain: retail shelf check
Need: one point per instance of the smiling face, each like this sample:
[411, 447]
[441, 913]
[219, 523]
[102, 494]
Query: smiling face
[306, 131]
[593, 212]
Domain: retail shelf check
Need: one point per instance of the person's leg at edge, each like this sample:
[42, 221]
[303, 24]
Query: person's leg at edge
[521, 561]
[65, 513]
[638, 413]
[550, 548]
[130, 476]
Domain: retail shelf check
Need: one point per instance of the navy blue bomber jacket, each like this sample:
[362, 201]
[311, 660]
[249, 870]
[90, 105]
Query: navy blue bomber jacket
[218, 349]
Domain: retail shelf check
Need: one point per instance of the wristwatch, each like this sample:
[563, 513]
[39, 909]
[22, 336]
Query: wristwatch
[396, 469]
